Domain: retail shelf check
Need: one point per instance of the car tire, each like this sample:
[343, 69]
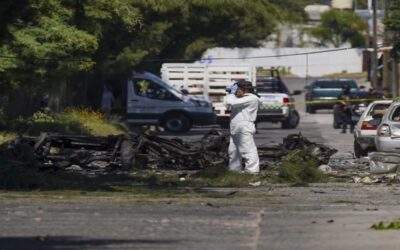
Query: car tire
[127, 155]
[176, 123]
[311, 110]
[359, 151]
[292, 121]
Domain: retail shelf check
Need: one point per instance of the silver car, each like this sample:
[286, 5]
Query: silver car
[364, 132]
[388, 132]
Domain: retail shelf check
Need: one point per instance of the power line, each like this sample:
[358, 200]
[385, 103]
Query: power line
[183, 60]
[249, 57]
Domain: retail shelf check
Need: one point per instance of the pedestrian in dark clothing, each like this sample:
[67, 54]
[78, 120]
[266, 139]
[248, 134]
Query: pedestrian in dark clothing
[346, 109]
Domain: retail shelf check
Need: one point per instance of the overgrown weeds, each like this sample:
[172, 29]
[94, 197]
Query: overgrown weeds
[300, 166]
[394, 225]
[5, 137]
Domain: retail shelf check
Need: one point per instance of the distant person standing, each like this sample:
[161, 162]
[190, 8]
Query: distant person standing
[107, 101]
[346, 109]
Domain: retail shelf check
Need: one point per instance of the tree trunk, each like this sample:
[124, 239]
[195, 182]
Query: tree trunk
[59, 96]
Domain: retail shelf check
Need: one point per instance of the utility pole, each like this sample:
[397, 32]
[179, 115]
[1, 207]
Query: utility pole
[375, 46]
[386, 57]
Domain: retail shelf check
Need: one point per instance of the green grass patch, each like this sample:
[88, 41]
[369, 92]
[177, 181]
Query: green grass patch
[5, 137]
[300, 166]
[221, 176]
[71, 121]
[394, 225]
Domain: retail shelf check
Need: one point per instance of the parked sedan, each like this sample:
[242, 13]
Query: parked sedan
[388, 133]
[364, 132]
[323, 93]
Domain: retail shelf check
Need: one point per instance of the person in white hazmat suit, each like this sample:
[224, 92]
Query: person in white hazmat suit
[244, 106]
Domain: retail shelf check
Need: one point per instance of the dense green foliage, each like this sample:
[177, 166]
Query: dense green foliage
[52, 47]
[392, 24]
[338, 27]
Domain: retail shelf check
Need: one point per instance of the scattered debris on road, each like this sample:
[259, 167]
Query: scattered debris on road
[142, 151]
[296, 159]
[53, 151]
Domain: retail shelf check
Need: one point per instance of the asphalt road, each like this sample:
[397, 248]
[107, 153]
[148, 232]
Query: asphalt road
[336, 216]
[322, 216]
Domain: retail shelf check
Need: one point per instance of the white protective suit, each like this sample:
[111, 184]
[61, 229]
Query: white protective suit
[242, 146]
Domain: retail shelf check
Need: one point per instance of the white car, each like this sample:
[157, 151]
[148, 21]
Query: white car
[364, 131]
[388, 133]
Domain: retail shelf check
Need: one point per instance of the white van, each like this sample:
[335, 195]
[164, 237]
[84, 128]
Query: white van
[152, 101]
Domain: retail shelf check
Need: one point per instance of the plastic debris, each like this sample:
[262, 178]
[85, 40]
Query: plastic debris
[325, 169]
[382, 163]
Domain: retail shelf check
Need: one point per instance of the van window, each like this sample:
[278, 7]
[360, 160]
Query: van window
[149, 89]
[271, 86]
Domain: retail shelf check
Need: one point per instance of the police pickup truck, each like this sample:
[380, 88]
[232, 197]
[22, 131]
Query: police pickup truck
[277, 101]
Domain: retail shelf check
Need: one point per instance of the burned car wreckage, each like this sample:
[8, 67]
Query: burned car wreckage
[142, 151]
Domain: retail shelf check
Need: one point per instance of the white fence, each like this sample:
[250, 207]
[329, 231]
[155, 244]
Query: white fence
[208, 81]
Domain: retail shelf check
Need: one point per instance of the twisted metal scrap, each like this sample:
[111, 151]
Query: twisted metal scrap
[135, 151]
[140, 151]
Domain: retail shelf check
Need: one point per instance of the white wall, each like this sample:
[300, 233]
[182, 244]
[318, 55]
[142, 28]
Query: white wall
[349, 60]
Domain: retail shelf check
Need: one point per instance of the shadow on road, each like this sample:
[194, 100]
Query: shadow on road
[74, 243]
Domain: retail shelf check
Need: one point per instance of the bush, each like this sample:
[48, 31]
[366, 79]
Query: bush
[300, 166]
[71, 121]
[4, 137]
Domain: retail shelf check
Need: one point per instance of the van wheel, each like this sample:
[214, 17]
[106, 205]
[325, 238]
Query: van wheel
[176, 123]
[292, 121]
[359, 151]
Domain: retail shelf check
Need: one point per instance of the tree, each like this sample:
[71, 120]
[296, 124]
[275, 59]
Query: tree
[45, 48]
[338, 27]
[293, 11]
[392, 25]
[64, 47]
